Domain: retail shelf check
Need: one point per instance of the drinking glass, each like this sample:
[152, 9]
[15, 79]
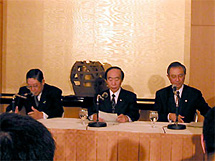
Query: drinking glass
[83, 113]
[153, 116]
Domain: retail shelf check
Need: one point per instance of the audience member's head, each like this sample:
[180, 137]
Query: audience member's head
[23, 138]
[209, 133]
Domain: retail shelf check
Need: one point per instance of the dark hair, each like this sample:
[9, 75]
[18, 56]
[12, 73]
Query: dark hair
[209, 131]
[36, 74]
[114, 67]
[24, 138]
[176, 64]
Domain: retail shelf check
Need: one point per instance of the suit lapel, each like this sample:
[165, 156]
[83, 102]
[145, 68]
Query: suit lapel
[183, 100]
[42, 101]
[120, 101]
[32, 102]
[171, 100]
[107, 102]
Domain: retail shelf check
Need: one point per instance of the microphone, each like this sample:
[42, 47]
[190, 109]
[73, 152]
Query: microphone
[174, 88]
[105, 95]
[102, 97]
[24, 96]
[21, 96]
[97, 123]
[16, 99]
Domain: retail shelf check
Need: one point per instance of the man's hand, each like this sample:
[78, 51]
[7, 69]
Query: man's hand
[35, 114]
[95, 118]
[122, 118]
[172, 116]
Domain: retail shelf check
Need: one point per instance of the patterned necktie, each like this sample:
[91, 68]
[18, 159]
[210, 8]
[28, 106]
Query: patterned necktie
[36, 101]
[177, 98]
[113, 103]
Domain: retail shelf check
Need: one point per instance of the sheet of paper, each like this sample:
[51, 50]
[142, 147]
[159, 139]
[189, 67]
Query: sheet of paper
[195, 124]
[109, 117]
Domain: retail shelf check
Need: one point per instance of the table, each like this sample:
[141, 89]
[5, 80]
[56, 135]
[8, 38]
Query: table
[124, 141]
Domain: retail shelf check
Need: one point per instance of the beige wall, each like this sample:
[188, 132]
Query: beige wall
[142, 37]
[202, 62]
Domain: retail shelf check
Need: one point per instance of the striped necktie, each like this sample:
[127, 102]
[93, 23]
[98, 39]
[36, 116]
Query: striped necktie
[36, 101]
[113, 103]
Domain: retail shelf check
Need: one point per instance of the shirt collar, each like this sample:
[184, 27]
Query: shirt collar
[181, 90]
[116, 93]
[39, 96]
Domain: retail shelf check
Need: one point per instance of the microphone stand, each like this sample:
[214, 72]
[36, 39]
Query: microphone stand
[97, 123]
[13, 103]
[177, 126]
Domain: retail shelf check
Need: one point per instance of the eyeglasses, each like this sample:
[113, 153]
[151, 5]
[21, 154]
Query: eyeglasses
[177, 76]
[116, 79]
[34, 86]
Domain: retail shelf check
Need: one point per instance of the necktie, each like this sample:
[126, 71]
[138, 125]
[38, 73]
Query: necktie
[177, 104]
[113, 103]
[177, 98]
[36, 101]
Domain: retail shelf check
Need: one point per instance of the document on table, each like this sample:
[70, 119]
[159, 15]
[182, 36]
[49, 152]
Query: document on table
[109, 117]
[195, 124]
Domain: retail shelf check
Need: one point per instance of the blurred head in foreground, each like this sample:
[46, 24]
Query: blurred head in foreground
[24, 138]
[208, 136]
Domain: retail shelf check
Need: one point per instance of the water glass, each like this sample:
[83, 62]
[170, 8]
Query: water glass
[153, 116]
[83, 113]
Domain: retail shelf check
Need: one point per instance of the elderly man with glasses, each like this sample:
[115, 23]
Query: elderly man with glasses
[39, 99]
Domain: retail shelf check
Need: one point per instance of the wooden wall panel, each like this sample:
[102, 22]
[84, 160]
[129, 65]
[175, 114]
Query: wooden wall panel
[203, 12]
[202, 55]
[202, 63]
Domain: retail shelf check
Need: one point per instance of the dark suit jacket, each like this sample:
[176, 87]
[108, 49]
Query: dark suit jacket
[126, 104]
[50, 101]
[191, 100]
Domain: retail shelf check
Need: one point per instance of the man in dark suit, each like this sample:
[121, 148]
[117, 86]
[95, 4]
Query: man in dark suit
[190, 98]
[39, 99]
[118, 100]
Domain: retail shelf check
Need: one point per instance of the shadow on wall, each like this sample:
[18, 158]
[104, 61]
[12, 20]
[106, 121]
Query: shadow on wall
[155, 83]
[128, 87]
[106, 66]
[211, 101]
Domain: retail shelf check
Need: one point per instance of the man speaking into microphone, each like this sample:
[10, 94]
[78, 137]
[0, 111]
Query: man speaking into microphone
[188, 98]
[116, 99]
[39, 99]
